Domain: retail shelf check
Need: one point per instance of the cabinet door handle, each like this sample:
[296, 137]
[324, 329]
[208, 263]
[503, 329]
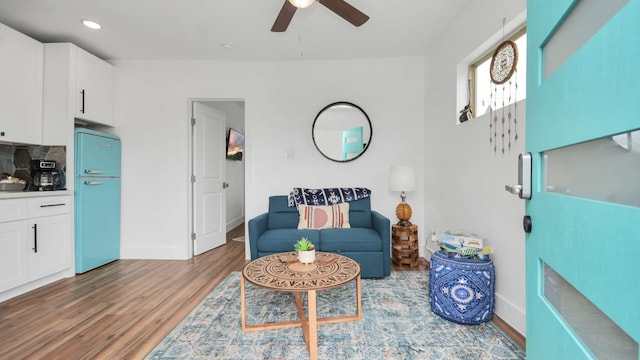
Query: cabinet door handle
[35, 237]
[52, 205]
[82, 108]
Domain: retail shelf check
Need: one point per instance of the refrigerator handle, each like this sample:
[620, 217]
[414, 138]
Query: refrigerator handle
[93, 182]
[92, 171]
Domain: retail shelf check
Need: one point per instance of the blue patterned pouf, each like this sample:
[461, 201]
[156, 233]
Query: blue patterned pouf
[461, 290]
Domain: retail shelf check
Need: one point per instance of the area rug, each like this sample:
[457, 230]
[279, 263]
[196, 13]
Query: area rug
[239, 238]
[397, 323]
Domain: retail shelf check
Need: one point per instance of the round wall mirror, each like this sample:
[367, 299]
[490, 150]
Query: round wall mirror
[342, 131]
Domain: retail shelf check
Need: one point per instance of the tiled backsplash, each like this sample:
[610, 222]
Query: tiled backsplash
[16, 160]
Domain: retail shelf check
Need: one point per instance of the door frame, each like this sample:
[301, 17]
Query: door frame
[190, 171]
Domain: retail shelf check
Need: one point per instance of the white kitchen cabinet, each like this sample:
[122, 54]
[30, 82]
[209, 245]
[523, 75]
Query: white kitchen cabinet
[14, 257]
[35, 242]
[77, 85]
[48, 252]
[96, 86]
[21, 76]
[50, 235]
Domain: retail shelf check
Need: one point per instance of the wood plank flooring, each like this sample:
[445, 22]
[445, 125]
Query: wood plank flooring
[121, 310]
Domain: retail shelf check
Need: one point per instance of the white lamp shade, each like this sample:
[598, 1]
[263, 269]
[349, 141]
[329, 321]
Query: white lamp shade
[402, 178]
[301, 3]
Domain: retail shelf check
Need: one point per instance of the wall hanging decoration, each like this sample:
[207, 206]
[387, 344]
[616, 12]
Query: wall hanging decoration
[503, 66]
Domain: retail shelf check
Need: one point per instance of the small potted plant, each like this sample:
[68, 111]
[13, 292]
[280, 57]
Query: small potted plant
[306, 251]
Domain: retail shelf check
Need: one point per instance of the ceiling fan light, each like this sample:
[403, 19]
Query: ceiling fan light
[301, 3]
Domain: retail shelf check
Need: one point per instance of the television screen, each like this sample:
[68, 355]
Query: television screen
[235, 145]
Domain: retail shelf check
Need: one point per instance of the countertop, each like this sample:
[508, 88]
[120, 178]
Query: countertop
[31, 194]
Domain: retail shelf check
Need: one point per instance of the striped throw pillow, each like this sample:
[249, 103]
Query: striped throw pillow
[324, 217]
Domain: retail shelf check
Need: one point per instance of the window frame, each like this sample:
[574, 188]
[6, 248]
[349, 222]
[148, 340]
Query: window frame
[471, 81]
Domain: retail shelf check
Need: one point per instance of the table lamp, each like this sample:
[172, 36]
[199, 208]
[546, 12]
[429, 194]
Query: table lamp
[401, 178]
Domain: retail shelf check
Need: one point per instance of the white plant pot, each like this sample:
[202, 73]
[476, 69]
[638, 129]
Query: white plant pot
[307, 257]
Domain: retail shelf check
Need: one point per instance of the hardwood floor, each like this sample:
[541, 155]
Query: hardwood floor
[119, 311]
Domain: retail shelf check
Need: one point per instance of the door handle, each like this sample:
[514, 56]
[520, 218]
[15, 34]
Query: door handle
[35, 238]
[82, 109]
[523, 187]
[225, 185]
[93, 183]
[514, 189]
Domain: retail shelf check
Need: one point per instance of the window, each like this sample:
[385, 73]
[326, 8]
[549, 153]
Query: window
[481, 81]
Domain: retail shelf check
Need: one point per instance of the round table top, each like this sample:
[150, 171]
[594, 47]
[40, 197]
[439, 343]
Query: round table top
[282, 272]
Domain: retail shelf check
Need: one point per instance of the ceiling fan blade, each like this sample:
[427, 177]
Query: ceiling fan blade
[346, 11]
[284, 17]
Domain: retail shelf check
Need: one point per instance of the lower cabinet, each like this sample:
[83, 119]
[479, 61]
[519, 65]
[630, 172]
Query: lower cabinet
[49, 253]
[37, 246]
[14, 265]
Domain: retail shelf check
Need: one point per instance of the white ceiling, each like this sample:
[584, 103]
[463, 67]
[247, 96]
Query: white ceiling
[196, 29]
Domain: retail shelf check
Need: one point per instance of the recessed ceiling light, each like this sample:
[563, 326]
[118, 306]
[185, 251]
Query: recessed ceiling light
[91, 24]
[227, 45]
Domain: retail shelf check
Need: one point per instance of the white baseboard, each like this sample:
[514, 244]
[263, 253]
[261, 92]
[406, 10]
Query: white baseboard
[154, 253]
[231, 224]
[25, 288]
[513, 315]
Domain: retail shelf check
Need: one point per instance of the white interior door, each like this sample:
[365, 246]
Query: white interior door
[209, 200]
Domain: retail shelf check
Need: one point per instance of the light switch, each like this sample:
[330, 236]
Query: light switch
[289, 154]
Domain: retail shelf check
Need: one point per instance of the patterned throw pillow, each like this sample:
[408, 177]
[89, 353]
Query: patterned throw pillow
[324, 217]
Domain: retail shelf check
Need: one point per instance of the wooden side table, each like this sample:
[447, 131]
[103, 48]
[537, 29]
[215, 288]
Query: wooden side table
[405, 245]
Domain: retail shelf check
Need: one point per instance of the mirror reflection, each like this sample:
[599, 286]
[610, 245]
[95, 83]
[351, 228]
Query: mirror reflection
[341, 131]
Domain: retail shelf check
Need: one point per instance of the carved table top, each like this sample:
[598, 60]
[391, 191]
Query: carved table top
[282, 272]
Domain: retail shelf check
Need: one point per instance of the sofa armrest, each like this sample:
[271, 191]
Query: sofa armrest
[382, 226]
[257, 226]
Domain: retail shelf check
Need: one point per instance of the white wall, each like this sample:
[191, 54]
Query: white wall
[464, 179]
[281, 101]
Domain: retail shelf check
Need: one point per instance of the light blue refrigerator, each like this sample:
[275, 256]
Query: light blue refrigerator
[97, 199]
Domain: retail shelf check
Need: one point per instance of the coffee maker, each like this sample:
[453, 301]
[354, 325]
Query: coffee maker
[45, 177]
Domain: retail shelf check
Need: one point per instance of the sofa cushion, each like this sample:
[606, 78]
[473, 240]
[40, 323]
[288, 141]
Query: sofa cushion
[350, 240]
[281, 216]
[360, 213]
[281, 240]
[323, 217]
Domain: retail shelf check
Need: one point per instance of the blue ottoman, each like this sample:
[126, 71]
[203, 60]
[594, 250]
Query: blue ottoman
[461, 290]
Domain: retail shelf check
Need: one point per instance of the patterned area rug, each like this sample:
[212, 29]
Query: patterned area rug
[397, 323]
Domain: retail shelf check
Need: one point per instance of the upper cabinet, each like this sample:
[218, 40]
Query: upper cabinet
[77, 85]
[95, 89]
[21, 74]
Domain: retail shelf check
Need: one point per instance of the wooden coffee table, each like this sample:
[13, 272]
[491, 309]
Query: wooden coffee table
[281, 272]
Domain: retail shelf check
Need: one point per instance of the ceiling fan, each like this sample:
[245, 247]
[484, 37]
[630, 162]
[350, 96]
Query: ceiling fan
[340, 7]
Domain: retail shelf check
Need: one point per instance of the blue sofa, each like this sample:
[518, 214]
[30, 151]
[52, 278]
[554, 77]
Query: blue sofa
[367, 241]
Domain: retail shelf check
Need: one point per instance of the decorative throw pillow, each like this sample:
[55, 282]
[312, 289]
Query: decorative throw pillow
[324, 217]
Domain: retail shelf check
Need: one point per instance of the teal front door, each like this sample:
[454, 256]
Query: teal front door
[352, 143]
[583, 252]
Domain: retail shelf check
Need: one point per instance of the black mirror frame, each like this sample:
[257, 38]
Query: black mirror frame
[330, 106]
